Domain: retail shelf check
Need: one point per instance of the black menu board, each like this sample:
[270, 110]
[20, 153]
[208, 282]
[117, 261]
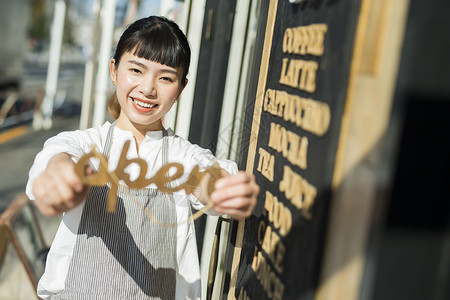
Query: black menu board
[290, 141]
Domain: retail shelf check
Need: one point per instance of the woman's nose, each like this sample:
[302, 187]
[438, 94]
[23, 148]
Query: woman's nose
[147, 86]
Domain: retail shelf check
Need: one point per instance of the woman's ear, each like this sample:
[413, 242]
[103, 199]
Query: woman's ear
[113, 70]
[182, 87]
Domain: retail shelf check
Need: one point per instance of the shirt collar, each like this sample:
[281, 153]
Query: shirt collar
[154, 135]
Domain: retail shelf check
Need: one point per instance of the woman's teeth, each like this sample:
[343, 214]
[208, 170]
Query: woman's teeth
[144, 104]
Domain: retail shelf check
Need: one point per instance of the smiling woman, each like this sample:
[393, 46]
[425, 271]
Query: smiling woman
[122, 244]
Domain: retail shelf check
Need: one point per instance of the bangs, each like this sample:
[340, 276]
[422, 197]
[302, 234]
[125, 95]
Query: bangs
[156, 39]
[157, 45]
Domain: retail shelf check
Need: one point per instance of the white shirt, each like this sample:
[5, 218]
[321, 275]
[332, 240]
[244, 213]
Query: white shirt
[80, 142]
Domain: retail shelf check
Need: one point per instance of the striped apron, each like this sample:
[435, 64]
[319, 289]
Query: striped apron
[124, 255]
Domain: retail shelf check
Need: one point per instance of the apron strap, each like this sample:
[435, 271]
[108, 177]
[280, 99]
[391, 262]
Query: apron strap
[165, 147]
[109, 140]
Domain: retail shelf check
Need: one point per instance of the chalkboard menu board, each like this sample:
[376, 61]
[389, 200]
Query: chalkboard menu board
[293, 126]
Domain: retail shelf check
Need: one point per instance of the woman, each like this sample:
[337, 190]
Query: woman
[126, 255]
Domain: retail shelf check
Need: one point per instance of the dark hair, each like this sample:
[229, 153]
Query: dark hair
[157, 39]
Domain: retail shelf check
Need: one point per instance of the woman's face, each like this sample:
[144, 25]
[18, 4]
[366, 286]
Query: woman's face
[146, 91]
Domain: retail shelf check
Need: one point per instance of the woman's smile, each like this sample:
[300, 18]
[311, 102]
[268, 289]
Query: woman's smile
[143, 105]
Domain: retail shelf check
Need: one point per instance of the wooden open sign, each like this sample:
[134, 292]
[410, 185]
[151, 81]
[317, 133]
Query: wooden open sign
[163, 179]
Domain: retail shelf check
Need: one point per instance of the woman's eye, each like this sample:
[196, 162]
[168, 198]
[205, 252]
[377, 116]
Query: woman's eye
[135, 70]
[168, 79]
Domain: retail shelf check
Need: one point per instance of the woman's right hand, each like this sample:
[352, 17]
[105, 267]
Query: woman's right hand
[58, 188]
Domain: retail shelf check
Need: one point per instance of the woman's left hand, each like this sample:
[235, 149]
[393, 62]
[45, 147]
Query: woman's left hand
[235, 195]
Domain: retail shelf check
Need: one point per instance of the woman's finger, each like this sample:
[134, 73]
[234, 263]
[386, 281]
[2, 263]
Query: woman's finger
[240, 177]
[232, 191]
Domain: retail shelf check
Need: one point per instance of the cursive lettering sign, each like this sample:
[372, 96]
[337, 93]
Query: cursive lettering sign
[162, 179]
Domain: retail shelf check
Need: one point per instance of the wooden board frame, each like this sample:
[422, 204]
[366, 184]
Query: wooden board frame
[374, 67]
